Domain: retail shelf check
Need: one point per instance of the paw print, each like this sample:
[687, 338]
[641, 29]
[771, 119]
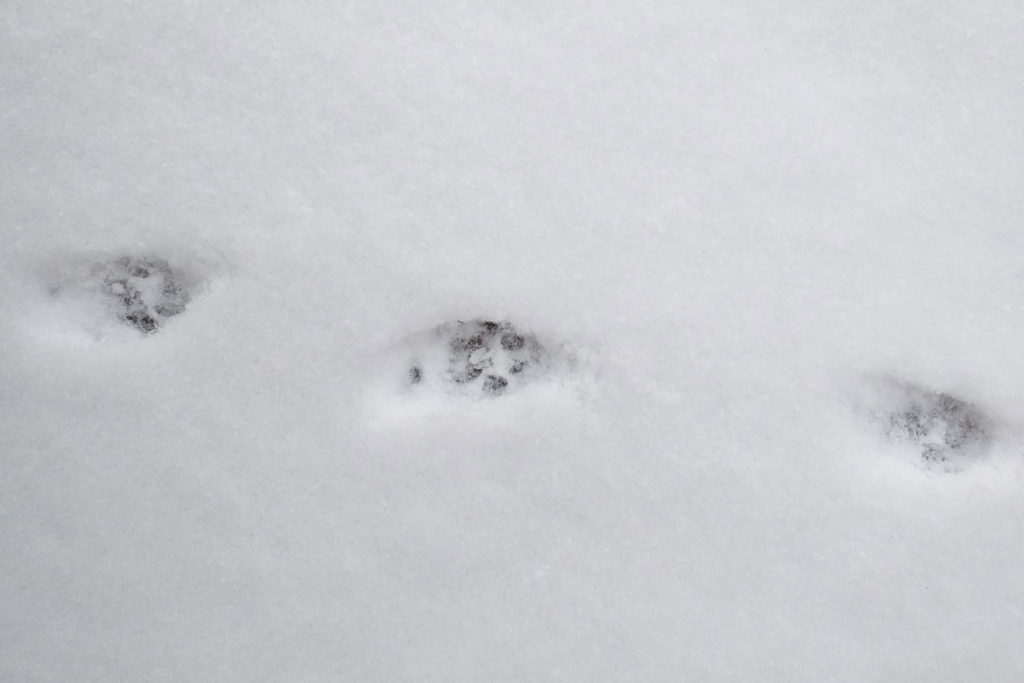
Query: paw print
[145, 292]
[946, 430]
[491, 355]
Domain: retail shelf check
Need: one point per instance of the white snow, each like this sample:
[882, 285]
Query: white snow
[732, 217]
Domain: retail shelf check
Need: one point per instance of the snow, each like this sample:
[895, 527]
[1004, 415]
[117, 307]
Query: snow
[744, 227]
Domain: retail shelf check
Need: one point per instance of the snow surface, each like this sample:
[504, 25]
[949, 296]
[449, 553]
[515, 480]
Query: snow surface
[735, 220]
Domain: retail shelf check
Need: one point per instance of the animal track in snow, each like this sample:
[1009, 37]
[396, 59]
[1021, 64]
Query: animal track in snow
[478, 357]
[948, 433]
[98, 295]
[145, 291]
[485, 370]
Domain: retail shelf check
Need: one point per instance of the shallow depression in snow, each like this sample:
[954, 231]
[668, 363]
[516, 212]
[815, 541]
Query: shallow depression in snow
[936, 429]
[469, 365]
[92, 297]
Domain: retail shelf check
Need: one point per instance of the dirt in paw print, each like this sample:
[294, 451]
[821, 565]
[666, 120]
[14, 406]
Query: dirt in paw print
[948, 432]
[488, 357]
[145, 291]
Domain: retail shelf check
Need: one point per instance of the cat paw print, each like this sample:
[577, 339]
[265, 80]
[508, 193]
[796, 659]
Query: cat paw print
[144, 292]
[481, 357]
[104, 296]
[943, 431]
[947, 431]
